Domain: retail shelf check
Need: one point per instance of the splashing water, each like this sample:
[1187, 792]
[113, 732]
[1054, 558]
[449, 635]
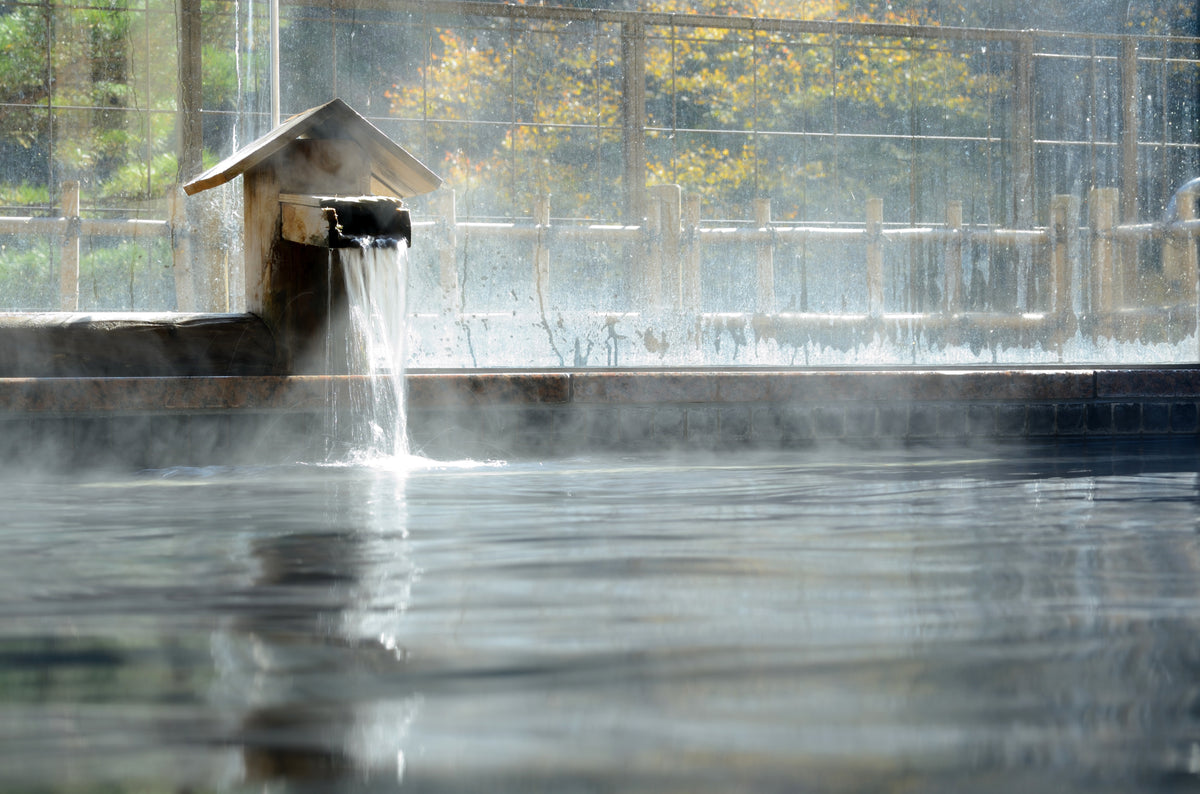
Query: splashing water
[374, 275]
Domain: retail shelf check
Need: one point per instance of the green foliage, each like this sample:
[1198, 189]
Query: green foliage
[553, 107]
[28, 273]
[776, 86]
[126, 275]
[24, 194]
[1164, 18]
[219, 89]
[136, 179]
[724, 106]
[113, 274]
[81, 108]
[24, 79]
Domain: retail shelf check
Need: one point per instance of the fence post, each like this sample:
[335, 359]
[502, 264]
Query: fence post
[189, 91]
[181, 254]
[667, 200]
[1179, 254]
[633, 117]
[1064, 250]
[765, 258]
[690, 277]
[1102, 216]
[68, 295]
[651, 280]
[1185, 210]
[1023, 150]
[541, 252]
[953, 298]
[1127, 256]
[448, 249]
[875, 257]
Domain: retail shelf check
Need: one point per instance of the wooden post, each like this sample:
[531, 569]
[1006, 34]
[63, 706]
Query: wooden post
[1126, 262]
[633, 117]
[190, 131]
[765, 258]
[1185, 210]
[952, 300]
[1064, 241]
[802, 259]
[1023, 170]
[193, 266]
[669, 199]
[690, 277]
[280, 285]
[260, 202]
[68, 295]
[1179, 255]
[448, 248]
[1102, 216]
[652, 261]
[181, 255]
[541, 252]
[875, 257]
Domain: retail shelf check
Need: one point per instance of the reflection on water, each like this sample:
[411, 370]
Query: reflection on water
[891, 620]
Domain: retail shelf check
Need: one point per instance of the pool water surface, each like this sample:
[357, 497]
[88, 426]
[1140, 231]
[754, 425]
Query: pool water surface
[842, 620]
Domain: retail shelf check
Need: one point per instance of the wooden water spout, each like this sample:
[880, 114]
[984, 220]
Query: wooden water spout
[344, 221]
[321, 181]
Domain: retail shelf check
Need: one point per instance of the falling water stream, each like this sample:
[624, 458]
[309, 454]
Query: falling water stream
[375, 298]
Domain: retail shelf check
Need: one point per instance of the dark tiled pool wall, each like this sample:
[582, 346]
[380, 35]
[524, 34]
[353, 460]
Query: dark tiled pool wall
[547, 413]
[131, 441]
[524, 430]
[151, 422]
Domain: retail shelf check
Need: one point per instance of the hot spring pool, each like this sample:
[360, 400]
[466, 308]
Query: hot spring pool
[1024, 618]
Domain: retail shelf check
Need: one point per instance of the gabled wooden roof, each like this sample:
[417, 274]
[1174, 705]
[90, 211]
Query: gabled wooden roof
[398, 170]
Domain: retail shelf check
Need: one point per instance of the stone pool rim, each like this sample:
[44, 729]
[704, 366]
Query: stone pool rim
[447, 389]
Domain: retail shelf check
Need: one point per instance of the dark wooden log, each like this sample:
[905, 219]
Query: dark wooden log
[59, 345]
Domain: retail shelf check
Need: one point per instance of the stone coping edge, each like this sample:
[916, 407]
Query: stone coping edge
[469, 388]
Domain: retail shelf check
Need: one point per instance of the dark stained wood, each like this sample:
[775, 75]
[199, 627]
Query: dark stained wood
[62, 345]
[390, 164]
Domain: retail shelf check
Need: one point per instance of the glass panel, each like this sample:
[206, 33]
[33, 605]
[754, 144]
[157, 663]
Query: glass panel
[1182, 112]
[155, 62]
[511, 103]
[235, 67]
[875, 90]
[376, 56]
[571, 165]
[307, 49]
[720, 167]
[795, 85]
[419, 141]
[555, 76]
[28, 273]
[1061, 168]
[476, 160]
[24, 156]
[125, 275]
[661, 51]
[121, 158]
[93, 56]
[779, 166]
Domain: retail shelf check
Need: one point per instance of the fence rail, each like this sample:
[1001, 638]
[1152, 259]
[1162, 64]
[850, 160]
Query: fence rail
[1079, 272]
[1086, 269]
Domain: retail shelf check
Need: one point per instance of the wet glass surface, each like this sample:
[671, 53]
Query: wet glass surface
[839, 620]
